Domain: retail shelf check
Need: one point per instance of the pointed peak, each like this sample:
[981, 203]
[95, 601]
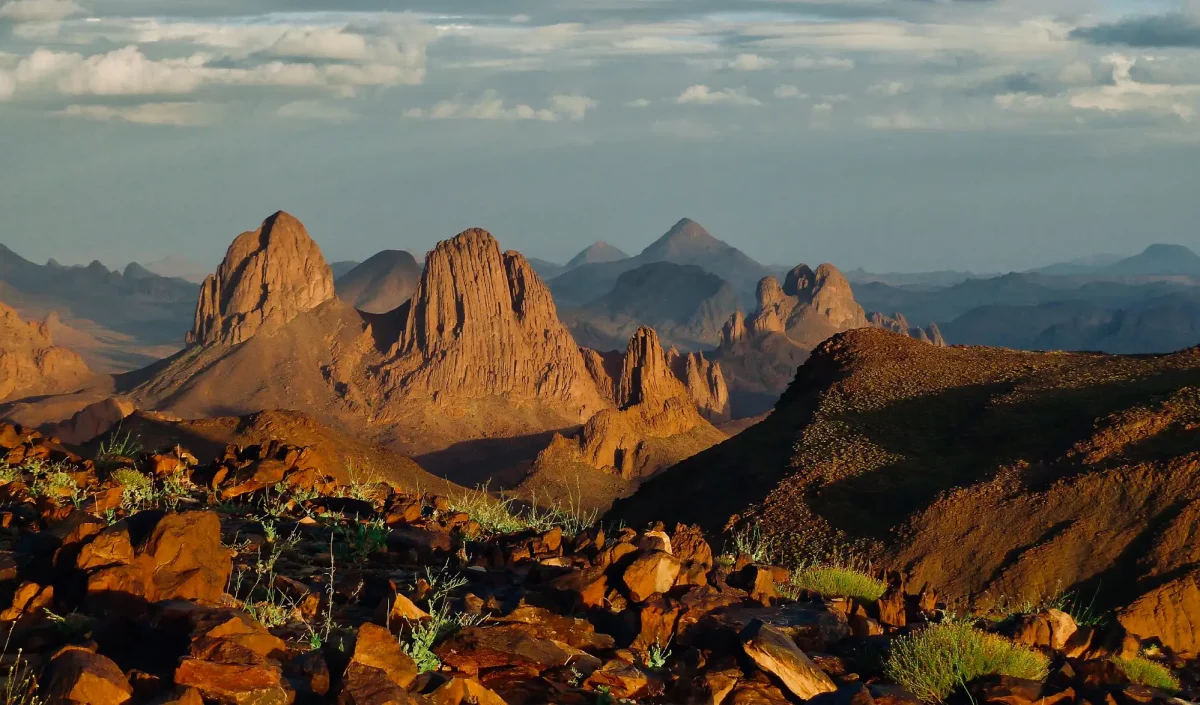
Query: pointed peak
[596, 253]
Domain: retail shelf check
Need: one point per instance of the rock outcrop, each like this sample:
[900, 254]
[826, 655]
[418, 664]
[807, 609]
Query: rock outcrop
[655, 411]
[760, 353]
[268, 277]
[483, 324]
[30, 363]
[899, 324]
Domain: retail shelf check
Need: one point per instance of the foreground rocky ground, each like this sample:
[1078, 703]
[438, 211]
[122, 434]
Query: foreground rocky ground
[155, 577]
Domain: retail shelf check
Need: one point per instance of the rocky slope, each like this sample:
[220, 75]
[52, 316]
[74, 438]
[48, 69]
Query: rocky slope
[968, 467]
[30, 363]
[253, 575]
[381, 283]
[686, 305]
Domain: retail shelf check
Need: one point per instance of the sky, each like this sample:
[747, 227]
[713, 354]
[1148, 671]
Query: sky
[895, 135]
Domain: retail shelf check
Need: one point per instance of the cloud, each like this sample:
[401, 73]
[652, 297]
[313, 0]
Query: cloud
[1170, 30]
[638, 103]
[822, 108]
[889, 88]
[8, 84]
[490, 106]
[315, 111]
[701, 94]
[750, 62]
[127, 71]
[784, 92]
[175, 114]
[573, 106]
[828, 62]
[1128, 95]
[39, 10]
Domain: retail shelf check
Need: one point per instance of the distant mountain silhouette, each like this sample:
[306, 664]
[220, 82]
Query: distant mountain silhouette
[340, 269]
[687, 242]
[596, 253]
[381, 283]
[545, 268]
[1160, 260]
[119, 320]
[685, 304]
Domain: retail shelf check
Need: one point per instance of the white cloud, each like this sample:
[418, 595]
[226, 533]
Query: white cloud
[828, 62]
[39, 10]
[889, 88]
[785, 92]
[8, 84]
[322, 43]
[638, 103]
[520, 19]
[176, 114]
[1128, 95]
[701, 94]
[128, 71]
[751, 62]
[316, 111]
[490, 106]
[900, 121]
[822, 108]
[573, 106]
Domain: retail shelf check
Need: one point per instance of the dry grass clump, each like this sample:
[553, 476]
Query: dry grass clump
[1149, 673]
[933, 662]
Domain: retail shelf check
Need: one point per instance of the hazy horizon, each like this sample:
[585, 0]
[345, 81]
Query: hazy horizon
[892, 135]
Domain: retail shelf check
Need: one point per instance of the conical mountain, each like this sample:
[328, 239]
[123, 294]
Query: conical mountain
[596, 253]
[381, 283]
[686, 243]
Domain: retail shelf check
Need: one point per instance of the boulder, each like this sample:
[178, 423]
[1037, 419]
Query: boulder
[1170, 613]
[84, 678]
[775, 653]
[650, 574]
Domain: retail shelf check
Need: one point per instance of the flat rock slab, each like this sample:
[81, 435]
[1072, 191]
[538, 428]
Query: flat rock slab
[774, 652]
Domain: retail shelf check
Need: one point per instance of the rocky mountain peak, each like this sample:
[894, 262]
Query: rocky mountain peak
[646, 373]
[268, 277]
[832, 297]
[800, 279]
[482, 323]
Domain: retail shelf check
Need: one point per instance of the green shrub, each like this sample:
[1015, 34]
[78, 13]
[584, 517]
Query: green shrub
[137, 490]
[836, 581]
[1149, 673]
[933, 662]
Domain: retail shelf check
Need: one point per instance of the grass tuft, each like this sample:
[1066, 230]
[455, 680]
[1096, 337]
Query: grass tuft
[1143, 671]
[933, 662]
[836, 581]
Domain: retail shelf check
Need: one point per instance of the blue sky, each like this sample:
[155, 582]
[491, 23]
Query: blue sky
[891, 134]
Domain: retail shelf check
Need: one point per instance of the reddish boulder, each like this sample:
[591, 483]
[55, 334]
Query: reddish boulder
[84, 678]
[650, 574]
